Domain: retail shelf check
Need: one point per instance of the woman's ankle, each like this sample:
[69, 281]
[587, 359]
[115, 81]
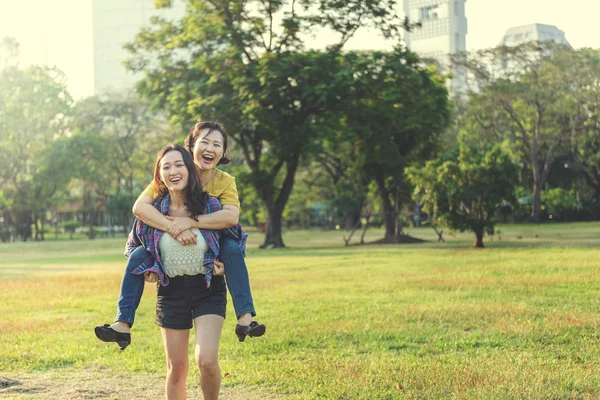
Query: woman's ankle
[121, 326]
[245, 319]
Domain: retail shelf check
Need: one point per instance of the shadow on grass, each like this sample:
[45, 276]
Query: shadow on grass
[312, 251]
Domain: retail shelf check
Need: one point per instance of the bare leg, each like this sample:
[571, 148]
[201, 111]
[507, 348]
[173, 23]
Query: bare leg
[208, 335]
[176, 350]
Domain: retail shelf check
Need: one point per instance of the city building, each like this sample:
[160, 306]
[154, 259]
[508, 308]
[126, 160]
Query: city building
[533, 32]
[115, 23]
[442, 33]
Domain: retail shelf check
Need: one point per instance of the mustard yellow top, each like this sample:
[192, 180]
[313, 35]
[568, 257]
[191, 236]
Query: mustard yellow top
[222, 186]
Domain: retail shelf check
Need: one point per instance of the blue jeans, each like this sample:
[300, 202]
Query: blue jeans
[132, 287]
[236, 273]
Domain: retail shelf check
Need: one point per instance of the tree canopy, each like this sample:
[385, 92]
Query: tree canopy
[466, 192]
[246, 63]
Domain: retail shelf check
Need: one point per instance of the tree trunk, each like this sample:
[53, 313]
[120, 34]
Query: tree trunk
[36, 227]
[536, 203]
[24, 225]
[275, 208]
[89, 212]
[478, 240]
[397, 227]
[539, 179]
[390, 223]
[597, 202]
[352, 219]
[362, 236]
[354, 228]
[91, 232]
[273, 237]
[595, 181]
[389, 216]
[42, 222]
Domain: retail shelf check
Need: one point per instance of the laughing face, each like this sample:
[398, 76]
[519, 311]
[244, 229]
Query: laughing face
[208, 149]
[173, 172]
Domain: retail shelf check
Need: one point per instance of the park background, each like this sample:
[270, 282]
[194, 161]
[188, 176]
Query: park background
[365, 179]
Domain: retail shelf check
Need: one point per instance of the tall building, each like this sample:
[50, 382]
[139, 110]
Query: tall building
[443, 32]
[533, 32]
[115, 23]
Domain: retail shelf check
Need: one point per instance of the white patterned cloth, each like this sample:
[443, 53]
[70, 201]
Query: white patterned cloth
[178, 259]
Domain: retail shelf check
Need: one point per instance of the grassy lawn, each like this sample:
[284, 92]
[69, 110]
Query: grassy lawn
[517, 320]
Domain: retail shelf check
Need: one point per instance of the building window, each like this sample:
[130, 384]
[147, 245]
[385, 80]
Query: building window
[429, 13]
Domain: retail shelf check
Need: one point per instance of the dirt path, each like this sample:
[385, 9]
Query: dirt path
[94, 385]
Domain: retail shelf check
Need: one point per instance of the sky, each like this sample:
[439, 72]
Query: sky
[59, 32]
[56, 33]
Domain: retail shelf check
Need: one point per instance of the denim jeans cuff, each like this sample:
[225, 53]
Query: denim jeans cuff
[244, 311]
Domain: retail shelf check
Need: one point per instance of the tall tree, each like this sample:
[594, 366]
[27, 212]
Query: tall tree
[521, 92]
[245, 63]
[465, 193]
[583, 74]
[133, 133]
[342, 183]
[396, 112]
[33, 105]
[85, 159]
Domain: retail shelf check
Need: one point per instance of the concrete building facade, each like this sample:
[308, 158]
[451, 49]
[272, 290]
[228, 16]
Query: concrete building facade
[115, 23]
[443, 32]
[533, 32]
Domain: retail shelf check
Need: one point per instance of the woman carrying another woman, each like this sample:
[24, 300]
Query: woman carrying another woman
[208, 143]
[191, 288]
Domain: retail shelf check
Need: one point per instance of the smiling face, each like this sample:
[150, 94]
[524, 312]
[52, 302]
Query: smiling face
[173, 172]
[208, 149]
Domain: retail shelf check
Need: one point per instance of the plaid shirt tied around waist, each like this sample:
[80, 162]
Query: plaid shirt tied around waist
[144, 235]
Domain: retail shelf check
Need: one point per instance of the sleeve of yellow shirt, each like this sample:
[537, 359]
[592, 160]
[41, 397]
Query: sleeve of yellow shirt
[149, 191]
[230, 195]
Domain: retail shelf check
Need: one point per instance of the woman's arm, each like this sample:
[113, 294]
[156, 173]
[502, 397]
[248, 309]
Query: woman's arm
[226, 218]
[222, 219]
[145, 211]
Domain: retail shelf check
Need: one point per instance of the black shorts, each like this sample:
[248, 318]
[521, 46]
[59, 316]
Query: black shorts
[186, 298]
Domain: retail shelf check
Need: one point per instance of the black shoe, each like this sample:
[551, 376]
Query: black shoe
[253, 330]
[108, 334]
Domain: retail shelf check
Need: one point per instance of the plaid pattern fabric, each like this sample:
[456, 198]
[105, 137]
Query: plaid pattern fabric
[144, 235]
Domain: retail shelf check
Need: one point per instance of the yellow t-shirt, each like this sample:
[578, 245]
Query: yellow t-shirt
[222, 186]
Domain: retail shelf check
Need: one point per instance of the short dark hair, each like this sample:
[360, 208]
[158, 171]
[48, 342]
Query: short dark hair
[191, 138]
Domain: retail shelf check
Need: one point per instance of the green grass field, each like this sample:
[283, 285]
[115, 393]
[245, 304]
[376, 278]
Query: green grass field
[517, 320]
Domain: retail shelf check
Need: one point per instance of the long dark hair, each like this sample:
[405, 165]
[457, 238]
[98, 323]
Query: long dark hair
[194, 198]
[212, 126]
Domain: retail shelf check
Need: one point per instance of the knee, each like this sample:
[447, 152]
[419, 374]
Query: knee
[177, 370]
[208, 366]
[230, 247]
[136, 258]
